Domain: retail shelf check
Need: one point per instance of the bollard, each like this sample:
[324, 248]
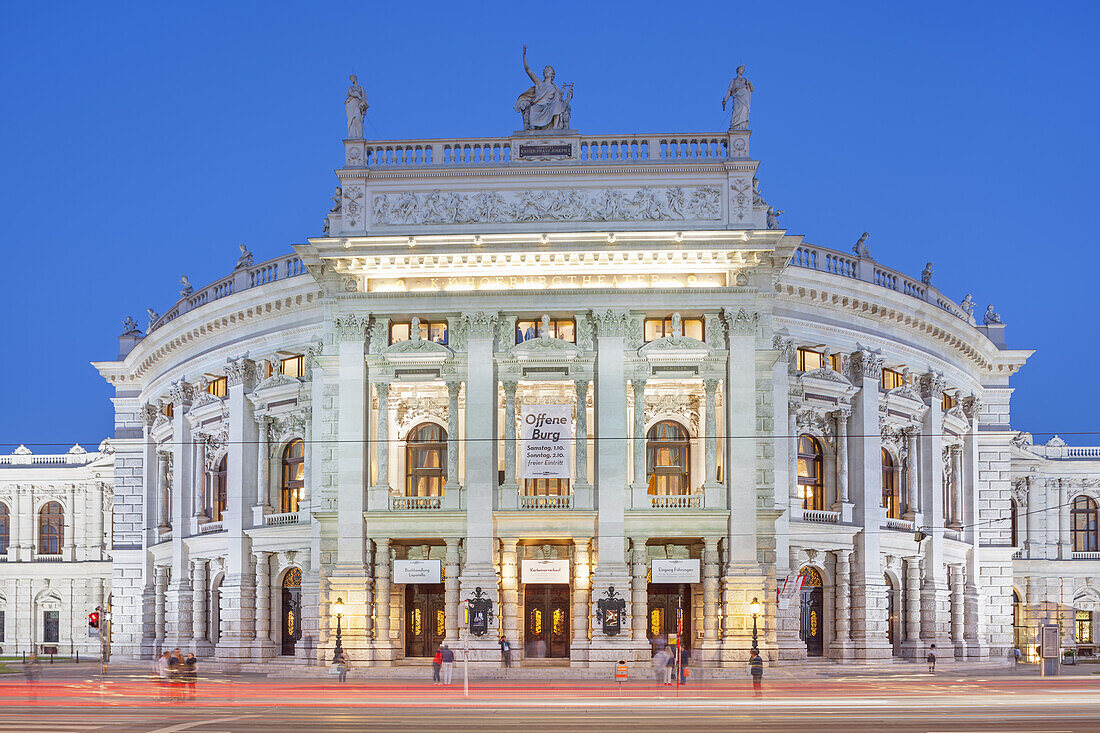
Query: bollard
[24, 657]
[620, 675]
[78, 656]
[51, 657]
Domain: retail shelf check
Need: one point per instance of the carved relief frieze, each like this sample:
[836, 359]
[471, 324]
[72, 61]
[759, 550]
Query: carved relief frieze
[684, 407]
[673, 203]
[816, 422]
[412, 410]
[741, 198]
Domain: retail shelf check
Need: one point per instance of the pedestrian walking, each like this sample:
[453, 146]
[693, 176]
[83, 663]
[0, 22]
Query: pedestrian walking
[175, 667]
[448, 663]
[932, 659]
[160, 672]
[670, 665]
[685, 657]
[32, 670]
[190, 675]
[343, 664]
[660, 664]
[1016, 656]
[437, 662]
[756, 669]
[505, 652]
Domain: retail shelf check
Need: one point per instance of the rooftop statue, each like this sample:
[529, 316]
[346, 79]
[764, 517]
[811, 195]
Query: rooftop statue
[926, 276]
[185, 286]
[967, 306]
[861, 249]
[544, 106]
[153, 316]
[740, 91]
[773, 218]
[245, 260]
[356, 106]
[130, 327]
[991, 316]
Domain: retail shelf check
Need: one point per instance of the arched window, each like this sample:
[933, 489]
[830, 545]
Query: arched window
[810, 486]
[668, 459]
[426, 460]
[294, 476]
[5, 528]
[1083, 524]
[221, 488]
[890, 486]
[51, 529]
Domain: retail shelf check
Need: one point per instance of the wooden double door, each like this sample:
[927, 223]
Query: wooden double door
[668, 609]
[425, 618]
[546, 608]
[812, 607]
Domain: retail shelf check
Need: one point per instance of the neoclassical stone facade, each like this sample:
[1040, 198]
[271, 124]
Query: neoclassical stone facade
[773, 418]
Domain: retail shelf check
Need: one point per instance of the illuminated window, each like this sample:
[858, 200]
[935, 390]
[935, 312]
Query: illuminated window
[5, 528]
[434, 331]
[293, 366]
[668, 459]
[1084, 626]
[51, 529]
[561, 328]
[892, 379]
[168, 410]
[426, 460]
[1083, 524]
[218, 386]
[948, 402]
[221, 488]
[810, 486]
[890, 486]
[656, 328]
[808, 360]
[546, 487]
[294, 476]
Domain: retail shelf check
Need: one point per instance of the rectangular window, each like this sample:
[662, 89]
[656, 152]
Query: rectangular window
[218, 386]
[434, 331]
[808, 360]
[1084, 627]
[560, 328]
[891, 379]
[51, 631]
[948, 402]
[656, 328]
[168, 410]
[293, 366]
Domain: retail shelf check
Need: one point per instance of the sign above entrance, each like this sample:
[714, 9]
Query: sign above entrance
[545, 434]
[674, 571]
[545, 571]
[417, 571]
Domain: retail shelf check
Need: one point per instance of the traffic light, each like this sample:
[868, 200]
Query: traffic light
[93, 620]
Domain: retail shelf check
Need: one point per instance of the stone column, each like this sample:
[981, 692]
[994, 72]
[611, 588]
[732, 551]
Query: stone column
[841, 417]
[709, 647]
[912, 509]
[263, 464]
[934, 600]
[382, 439]
[450, 589]
[711, 488]
[957, 607]
[165, 491]
[582, 597]
[581, 439]
[198, 593]
[509, 436]
[640, 484]
[956, 482]
[453, 483]
[98, 543]
[792, 432]
[842, 631]
[383, 646]
[178, 611]
[509, 586]
[639, 593]
[264, 646]
[911, 644]
[160, 586]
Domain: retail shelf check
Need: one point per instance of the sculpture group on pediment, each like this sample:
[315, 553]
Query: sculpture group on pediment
[544, 106]
[549, 205]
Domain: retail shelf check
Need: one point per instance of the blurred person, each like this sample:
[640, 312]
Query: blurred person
[437, 663]
[505, 651]
[660, 664]
[756, 669]
[685, 656]
[32, 670]
[931, 659]
[160, 671]
[448, 663]
[175, 667]
[343, 664]
[670, 665]
[190, 674]
[1016, 656]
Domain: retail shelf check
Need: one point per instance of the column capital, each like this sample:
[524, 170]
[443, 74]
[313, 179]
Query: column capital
[741, 323]
[241, 371]
[481, 324]
[932, 386]
[181, 394]
[864, 364]
[510, 386]
[611, 323]
[350, 327]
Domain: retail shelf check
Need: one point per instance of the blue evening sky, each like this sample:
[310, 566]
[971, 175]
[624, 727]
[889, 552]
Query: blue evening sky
[142, 141]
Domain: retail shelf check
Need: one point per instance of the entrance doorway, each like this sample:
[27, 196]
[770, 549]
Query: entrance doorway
[669, 606]
[291, 612]
[546, 607]
[425, 618]
[810, 620]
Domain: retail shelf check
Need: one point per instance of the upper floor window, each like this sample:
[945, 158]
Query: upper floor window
[808, 360]
[51, 529]
[293, 366]
[890, 486]
[948, 402]
[1083, 524]
[668, 459]
[655, 328]
[892, 379]
[218, 386]
[556, 328]
[434, 331]
[221, 488]
[1083, 622]
[426, 460]
[294, 476]
[168, 410]
[810, 485]
[5, 528]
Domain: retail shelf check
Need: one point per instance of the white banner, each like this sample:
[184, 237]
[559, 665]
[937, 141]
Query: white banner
[417, 571]
[792, 584]
[545, 435]
[544, 571]
[674, 571]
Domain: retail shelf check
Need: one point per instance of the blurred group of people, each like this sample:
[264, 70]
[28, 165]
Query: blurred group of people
[177, 674]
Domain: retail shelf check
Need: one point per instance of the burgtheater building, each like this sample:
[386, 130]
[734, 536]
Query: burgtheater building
[555, 370]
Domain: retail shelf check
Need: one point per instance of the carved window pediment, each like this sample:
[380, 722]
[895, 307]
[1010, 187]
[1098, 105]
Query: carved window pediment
[544, 349]
[676, 348]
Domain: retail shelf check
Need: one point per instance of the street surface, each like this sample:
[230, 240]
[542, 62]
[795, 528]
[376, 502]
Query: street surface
[78, 701]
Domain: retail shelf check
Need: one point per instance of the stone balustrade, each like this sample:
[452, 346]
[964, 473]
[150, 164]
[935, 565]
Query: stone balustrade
[823, 259]
[900, 525]
[817, 515]
[677, 501]
[277, 520]
[210, 527]
[24, 457]
[415, 503]
[1086, 555]
[546, 502]
[279, 268]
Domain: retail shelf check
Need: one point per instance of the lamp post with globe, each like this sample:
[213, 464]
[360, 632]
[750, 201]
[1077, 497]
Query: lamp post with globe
[754, 609]
[338, 609]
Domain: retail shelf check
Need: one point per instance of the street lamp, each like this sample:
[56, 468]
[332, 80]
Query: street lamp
[754, 608]
[338, 608]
